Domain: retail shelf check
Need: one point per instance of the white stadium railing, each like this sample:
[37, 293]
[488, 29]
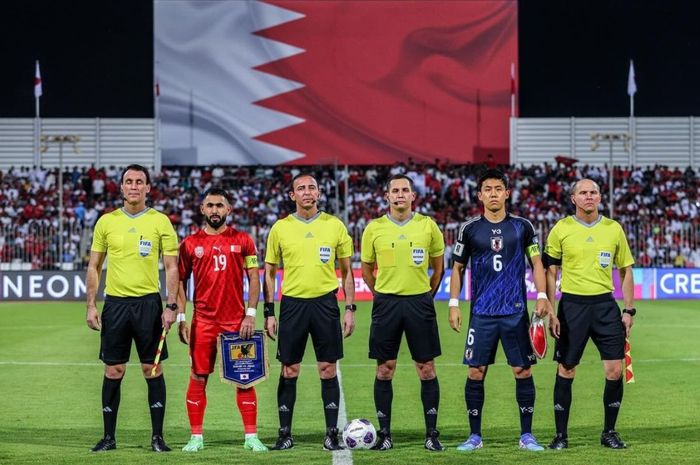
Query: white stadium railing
[103, 142]
[652, 140]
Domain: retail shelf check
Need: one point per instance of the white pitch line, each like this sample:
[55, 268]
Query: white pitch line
[349, 365]
[341, 457]
[72, 364]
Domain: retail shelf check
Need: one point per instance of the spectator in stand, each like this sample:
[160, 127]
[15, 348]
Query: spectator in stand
[645, 197]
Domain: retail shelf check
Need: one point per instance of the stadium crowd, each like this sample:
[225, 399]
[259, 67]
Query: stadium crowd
[657, 206]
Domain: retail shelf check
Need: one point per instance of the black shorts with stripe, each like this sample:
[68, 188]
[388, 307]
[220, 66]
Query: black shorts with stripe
[597, 317]
[131, 318]
[318, 317]
[394, 315]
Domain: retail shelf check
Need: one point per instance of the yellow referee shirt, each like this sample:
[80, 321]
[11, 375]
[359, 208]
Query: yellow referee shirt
[133, 245]
[588, 253]
[402, 252]
[308, 249]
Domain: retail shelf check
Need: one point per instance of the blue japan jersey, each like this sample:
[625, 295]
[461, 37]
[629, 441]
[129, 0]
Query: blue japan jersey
[498, 254]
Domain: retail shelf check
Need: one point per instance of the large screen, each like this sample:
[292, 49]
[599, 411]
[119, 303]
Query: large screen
[324, 82]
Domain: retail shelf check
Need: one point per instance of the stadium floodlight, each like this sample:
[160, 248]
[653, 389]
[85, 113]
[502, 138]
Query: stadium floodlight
[610, 138]
[60, 139]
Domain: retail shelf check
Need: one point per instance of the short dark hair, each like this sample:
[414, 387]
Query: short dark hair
[302, 175]
[492, 174]
[135, 167]
[217, 191]
[401, 176]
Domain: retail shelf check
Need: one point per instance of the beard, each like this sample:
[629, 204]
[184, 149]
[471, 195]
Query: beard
[216, 224]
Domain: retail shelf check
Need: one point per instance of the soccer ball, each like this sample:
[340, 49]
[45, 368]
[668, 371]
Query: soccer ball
[359, 434]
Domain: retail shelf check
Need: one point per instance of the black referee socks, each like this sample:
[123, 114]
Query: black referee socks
[430, 395]
[612, 400]
[111, 395]
[562, 404]
[330, 394]
[286, 398]
[156, 401]
[383, 397]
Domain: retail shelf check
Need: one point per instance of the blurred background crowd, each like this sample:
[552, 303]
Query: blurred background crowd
[657, 206]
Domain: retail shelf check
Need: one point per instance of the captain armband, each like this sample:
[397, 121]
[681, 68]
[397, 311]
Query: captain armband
[532, 250]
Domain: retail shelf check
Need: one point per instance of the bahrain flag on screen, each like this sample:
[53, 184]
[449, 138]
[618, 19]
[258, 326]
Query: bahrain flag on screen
[352, 82]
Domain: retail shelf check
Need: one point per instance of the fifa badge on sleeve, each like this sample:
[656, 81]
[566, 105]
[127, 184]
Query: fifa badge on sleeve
[538, 336]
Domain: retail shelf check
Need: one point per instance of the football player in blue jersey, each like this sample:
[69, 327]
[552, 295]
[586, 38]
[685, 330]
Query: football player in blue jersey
[498, 243]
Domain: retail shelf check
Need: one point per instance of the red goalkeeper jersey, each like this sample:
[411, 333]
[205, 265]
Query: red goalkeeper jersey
[218, 263]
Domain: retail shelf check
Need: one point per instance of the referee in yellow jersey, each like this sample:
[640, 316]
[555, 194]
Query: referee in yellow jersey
[308, 243]
[586, 246]
[401, 246]
[133, 238]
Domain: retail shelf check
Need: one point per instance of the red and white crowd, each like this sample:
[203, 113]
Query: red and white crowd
[657, 206]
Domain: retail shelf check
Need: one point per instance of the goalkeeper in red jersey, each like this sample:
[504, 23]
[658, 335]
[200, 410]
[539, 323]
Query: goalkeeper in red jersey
[218, 256]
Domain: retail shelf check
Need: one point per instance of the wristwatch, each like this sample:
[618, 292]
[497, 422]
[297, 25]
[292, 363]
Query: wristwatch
[351, 307]
[172, 307]
[630, 311]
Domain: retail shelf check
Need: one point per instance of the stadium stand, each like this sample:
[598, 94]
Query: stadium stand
[658, 206]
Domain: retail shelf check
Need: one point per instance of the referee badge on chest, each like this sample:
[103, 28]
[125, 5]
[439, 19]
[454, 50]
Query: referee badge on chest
[145, 247]
[324, 253]
[418, 255]
[604, 258]
[496, 243]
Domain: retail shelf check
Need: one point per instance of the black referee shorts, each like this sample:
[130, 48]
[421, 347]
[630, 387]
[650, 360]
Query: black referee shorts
[131, 318]
[595, 316]
[319, 317]
[394, 315]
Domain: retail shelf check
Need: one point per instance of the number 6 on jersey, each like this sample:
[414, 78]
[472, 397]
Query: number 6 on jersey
[497, 263]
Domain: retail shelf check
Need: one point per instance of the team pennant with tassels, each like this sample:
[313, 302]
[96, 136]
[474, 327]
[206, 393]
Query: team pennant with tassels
[629, 373]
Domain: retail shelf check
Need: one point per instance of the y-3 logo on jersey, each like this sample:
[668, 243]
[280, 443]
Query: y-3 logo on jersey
[495, 231]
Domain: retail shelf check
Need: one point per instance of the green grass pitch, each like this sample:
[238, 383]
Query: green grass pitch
[50, 382]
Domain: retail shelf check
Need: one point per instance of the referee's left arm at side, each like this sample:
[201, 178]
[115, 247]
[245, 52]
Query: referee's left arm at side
[172, 283]
[627, 280]
[438, 265]
[552, 271]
